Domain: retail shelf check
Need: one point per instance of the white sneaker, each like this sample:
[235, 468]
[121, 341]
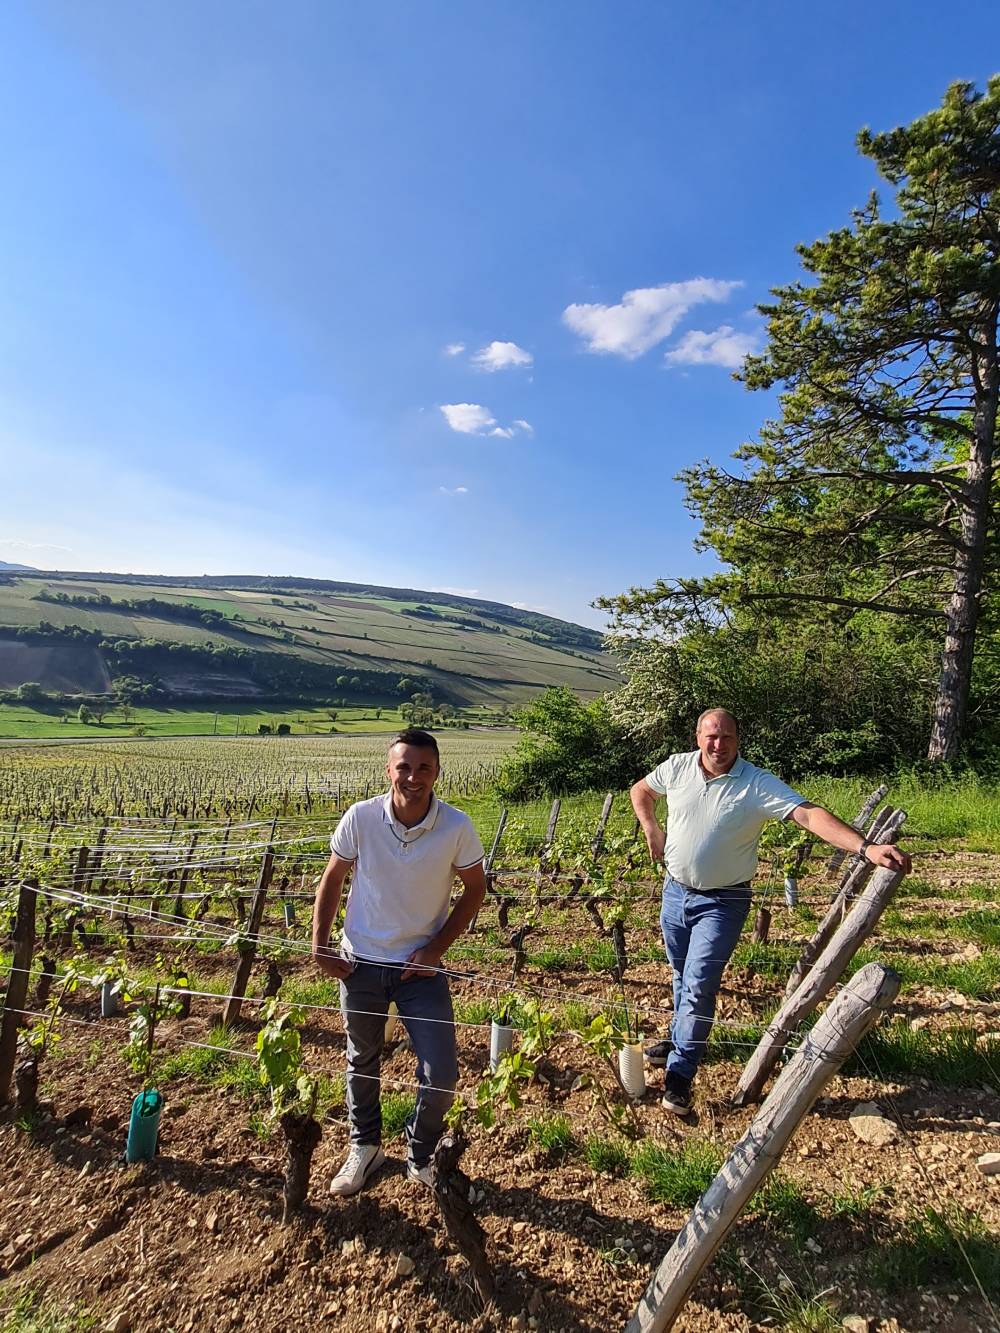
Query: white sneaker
[422, 1173]
[363, 1160]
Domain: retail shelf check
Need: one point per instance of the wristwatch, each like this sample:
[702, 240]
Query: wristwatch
[865, 844]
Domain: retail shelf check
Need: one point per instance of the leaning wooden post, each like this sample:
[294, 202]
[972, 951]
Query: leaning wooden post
[863, 816]
[17, 984]
[818, 981]
[821, 1054]
[490, 858]
[248, 953]
[886, 831]
[597, 841]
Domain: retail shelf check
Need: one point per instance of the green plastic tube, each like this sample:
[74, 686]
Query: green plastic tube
[143, 1126]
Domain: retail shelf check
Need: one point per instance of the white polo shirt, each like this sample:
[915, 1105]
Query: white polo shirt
[400, 892]
[714, 824]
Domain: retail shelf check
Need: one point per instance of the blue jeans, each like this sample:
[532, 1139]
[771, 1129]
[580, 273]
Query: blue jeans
[364, 1001]
[700, 932]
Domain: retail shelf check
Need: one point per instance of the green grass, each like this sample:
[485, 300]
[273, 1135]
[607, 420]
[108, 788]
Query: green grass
[608, 1156]
[554, 1133]
[978, 978]
[939, 1248]
[321, 991]
[767, 960]
[474, 1010]
[199, 1063]
[982, 926]
[781, 1201]
[29, 1311]
[955, 1057]
[945, 807]
[17, 721]
[397, 1107]
[676, 1176]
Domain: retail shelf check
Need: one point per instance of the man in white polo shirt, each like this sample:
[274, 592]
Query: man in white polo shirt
[405, 849]
[718, 805]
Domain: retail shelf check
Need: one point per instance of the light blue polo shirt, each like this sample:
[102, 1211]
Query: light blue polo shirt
[714, 824]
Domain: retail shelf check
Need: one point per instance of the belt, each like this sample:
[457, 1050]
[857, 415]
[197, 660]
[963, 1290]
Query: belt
[710, 892]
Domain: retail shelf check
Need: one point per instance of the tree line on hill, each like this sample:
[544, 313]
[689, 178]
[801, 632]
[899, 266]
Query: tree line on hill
[854, 622]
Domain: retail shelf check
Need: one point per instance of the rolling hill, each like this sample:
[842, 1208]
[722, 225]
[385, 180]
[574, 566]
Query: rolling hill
[244, 637]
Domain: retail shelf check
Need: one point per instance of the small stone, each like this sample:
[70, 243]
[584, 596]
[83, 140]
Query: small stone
[871, 1126]
[988, 1164]
[916, 1025]
[813, 1245]
[118, 1323]
[404, 1266]
[856, 1323]
[212, 1221]
[87, 1168]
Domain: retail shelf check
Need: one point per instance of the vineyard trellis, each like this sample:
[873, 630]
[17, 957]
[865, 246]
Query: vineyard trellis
[209, 887]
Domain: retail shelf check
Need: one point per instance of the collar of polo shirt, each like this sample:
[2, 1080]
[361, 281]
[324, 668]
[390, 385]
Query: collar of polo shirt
[739, 764]
[400, 831]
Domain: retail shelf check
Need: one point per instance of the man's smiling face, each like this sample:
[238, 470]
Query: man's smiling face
[412, 772]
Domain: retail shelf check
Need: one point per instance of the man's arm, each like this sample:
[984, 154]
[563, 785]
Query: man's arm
[423, 962]
[644, 804]
[820, 821]
[324, 914]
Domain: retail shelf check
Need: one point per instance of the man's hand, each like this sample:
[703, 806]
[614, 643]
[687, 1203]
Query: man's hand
[422, 962]
[333, 964]
[656, 841]
[888, 855]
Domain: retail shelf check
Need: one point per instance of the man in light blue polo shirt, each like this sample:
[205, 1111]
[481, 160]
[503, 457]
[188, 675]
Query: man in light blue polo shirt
[718, 805]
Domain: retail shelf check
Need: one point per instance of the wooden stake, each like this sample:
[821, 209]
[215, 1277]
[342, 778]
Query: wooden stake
[859, 875]
[17, 984]
[863, 816]
[824, 974]
[597, 842]
[233, 1005]
[821, 1054]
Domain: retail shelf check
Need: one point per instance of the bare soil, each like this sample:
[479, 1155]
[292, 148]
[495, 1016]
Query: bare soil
[193, 1241]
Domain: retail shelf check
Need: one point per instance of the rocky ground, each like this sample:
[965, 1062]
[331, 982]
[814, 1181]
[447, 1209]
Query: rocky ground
[194, 1240]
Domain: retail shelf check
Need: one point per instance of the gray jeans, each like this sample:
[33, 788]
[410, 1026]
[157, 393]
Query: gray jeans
[424, 1005]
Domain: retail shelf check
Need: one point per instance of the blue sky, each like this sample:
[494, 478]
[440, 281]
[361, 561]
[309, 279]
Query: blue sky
[435, 294]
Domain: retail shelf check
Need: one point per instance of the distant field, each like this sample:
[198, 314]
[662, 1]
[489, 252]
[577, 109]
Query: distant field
[21, 723]
[494, 662]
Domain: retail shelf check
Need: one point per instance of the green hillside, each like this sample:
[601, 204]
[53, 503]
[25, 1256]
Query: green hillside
[244, 638]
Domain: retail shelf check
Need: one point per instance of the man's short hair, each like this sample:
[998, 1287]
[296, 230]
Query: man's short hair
[723, 712]
[418, 737]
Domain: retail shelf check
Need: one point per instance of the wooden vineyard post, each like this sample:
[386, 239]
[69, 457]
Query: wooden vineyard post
[863, 816]
[821, 1054]
[550, 834]
[854, 882]
[824, 974]
[248, 954]
[490, 858]
[597, 842]
[17, 984]
[179, 912]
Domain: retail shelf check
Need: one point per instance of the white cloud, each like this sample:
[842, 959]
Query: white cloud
[14, 542]
[454, 490]
[474, 419]
[468, 418]
[457, 592]
[454, 349]
[644, 316]
[718, 347]
[501, 356]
